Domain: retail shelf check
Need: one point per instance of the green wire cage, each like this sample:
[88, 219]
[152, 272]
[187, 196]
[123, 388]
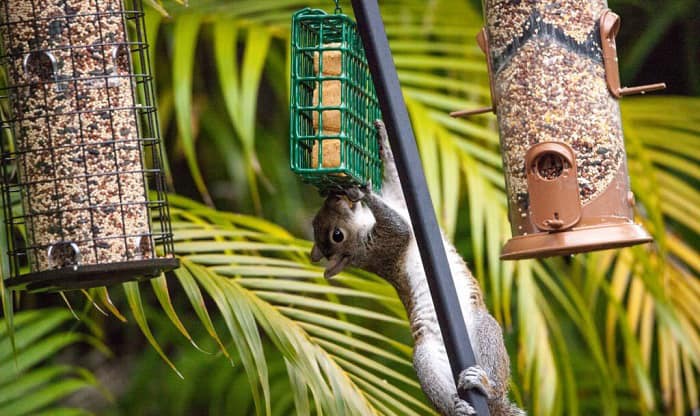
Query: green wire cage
[333, 105]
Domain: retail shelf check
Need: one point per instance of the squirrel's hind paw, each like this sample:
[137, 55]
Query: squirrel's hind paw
[475, 378]
[382, 138]
[462, 407]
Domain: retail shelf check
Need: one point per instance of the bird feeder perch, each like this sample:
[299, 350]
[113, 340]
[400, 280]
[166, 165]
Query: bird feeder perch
[555, 87]
[80, 146]
[333, 141]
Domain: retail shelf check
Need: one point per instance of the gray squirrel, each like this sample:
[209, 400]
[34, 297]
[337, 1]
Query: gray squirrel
[359, 228]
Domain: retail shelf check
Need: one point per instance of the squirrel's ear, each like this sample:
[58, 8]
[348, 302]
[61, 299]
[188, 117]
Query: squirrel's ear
[316, 254]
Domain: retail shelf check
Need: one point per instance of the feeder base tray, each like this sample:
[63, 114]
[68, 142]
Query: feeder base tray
[576, 240]
[93, 275]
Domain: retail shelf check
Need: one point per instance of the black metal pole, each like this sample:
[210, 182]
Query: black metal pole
[415, 189]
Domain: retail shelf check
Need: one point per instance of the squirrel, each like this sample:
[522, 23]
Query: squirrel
[359, 228]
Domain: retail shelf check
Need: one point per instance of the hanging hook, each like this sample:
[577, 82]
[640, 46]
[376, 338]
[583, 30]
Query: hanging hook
[338, 10]
[609, 26]
[482, 40]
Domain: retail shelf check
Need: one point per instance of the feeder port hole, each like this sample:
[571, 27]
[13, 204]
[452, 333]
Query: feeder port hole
[550, 166]
[63, 254]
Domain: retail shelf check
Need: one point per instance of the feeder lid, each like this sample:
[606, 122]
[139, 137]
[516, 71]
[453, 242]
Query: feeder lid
[576, 240]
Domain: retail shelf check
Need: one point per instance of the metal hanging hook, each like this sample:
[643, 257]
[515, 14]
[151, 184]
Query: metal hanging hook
[338, 10]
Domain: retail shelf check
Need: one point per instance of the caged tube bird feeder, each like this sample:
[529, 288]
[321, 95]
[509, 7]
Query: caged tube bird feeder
[333, 104]
[554, 86]
[81, 158]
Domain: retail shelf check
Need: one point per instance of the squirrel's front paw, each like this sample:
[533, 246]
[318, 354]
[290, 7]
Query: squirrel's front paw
[358, 193]
[461, 407]
[475, 378]
[355, 193]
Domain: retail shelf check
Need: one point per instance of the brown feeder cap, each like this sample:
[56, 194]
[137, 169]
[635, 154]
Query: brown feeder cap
[576, 240]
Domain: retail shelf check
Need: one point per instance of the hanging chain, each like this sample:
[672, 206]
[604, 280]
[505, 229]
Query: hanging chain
[338, 10]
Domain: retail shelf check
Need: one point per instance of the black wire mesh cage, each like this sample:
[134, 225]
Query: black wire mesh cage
[81, 159]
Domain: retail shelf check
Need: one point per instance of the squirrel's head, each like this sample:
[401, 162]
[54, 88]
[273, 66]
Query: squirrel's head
[341, 229]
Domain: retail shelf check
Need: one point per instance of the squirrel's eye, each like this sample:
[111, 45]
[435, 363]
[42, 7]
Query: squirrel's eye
[337, 235]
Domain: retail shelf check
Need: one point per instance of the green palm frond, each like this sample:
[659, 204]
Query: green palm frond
[31, 382]
[330, 335]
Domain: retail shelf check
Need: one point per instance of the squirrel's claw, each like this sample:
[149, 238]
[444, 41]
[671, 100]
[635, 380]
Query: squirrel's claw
[475, 377]
[356, 193]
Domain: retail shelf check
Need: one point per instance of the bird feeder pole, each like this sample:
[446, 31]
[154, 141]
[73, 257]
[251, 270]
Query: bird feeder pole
[415, 190]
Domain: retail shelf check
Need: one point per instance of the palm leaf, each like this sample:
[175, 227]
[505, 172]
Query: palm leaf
[32, 383]
[260, 285]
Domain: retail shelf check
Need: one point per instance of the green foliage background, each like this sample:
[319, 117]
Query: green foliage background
[253, 328]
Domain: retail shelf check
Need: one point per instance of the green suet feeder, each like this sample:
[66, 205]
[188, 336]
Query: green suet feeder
[333, 105]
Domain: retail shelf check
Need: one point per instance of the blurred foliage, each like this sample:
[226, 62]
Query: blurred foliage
[33, 379]
[294, 339]
[603, 333]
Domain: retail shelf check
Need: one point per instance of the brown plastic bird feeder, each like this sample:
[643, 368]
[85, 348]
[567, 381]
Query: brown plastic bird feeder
[554, 85]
